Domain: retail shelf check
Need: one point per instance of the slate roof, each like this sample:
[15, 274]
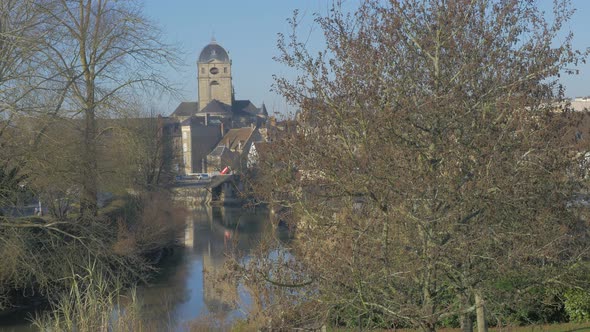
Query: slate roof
[192, 121]
[216, 107]
[263, 110]
[186, 109]
[212, 52]
[239, 108]
[246, 106]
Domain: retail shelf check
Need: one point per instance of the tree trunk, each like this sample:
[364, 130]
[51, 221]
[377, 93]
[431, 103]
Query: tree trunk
[466, 317]
[466, 322]
[481, 315]
[89, 172]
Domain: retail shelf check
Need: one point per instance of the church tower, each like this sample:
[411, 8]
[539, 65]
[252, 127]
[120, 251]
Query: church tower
[214, 75]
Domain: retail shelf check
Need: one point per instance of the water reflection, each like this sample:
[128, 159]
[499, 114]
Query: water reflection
[192, 284]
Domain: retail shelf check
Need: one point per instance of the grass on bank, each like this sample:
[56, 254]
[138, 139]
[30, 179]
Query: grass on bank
[563, 327]
[92, 304]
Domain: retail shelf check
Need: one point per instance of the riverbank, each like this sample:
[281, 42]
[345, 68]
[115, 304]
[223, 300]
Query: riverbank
[46, 258]
[564, 327]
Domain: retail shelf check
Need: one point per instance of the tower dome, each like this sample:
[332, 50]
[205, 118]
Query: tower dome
[213, 51]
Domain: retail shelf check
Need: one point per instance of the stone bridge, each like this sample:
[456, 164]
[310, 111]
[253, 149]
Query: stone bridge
[225, 190]
[220, 190]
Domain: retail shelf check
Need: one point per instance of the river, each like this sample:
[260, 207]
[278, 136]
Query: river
[187, 290]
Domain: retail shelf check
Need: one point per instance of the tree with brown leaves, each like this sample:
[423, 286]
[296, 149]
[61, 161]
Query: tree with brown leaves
[428, 179]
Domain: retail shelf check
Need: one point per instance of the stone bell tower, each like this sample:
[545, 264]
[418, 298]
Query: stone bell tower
[214, 75]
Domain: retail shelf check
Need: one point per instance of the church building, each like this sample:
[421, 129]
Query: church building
[204, 122]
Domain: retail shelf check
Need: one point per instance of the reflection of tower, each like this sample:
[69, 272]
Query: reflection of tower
[189, 232]
[220, 294]
[217, 229]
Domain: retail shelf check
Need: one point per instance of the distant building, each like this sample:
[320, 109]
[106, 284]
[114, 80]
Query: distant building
[580, 104]
[234, 149]
[204, 122]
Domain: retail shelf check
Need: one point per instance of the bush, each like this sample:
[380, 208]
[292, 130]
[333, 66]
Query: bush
[147, 224]
[577, 305]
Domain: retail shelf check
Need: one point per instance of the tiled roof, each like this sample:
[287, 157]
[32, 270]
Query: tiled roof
[236, 138]
[218, 151]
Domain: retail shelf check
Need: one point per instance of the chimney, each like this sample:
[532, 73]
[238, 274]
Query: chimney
[222, 129]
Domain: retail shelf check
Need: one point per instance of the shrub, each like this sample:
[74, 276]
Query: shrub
[577, 305]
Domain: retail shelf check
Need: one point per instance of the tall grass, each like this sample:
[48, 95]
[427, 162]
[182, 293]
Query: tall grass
[93, 303]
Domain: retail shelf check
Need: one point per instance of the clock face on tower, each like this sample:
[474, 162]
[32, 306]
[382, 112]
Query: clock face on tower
[214, 70]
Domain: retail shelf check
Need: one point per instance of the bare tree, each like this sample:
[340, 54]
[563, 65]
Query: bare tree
[428, 168]
[101, 52]
[152, 151]
[18, 35]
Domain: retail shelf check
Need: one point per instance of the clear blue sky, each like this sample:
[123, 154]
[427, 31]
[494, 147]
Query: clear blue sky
[248, 30]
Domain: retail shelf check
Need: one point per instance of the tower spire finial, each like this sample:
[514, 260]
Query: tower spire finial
[213, 40]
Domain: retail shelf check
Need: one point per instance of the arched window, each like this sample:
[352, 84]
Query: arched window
[214, 91]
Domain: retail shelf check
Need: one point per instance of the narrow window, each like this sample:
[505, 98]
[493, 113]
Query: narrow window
[225, 70]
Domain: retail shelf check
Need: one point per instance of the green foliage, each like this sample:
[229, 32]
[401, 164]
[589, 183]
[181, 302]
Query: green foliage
[577, 305]
[450, 322]
[533, 303]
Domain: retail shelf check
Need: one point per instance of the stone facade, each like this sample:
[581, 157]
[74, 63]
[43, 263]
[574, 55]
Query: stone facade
[214, 75]
[187, 148]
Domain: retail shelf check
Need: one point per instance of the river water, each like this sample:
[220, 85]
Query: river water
[188, 291]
